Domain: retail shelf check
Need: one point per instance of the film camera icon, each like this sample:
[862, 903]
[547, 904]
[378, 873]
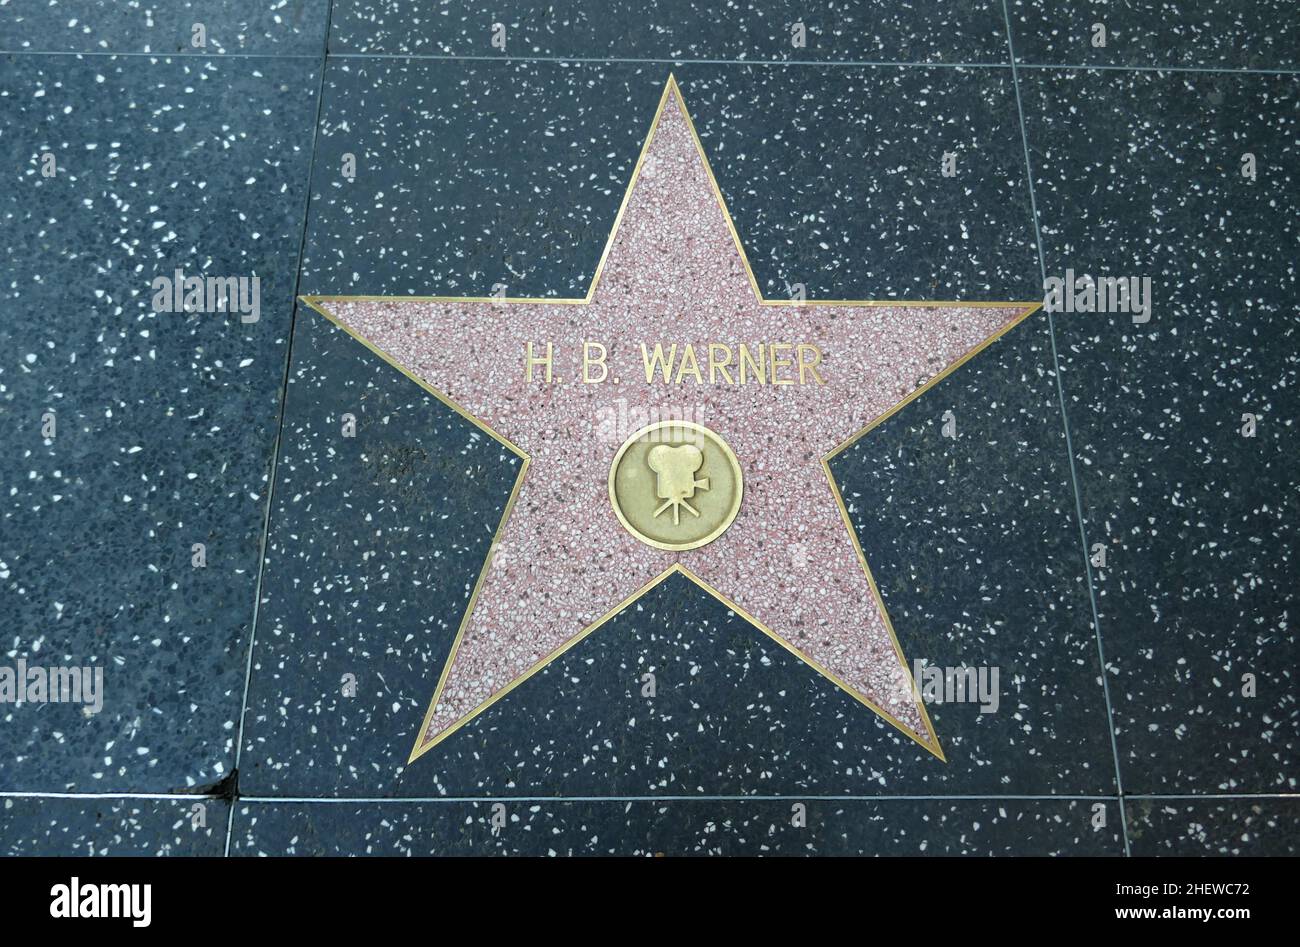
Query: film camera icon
[675, 454]
[675, 481]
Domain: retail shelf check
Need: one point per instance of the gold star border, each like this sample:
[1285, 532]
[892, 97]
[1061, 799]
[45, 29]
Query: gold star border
[318, 303]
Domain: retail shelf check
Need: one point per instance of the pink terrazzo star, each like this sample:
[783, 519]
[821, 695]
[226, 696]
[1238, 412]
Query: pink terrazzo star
[673, 272]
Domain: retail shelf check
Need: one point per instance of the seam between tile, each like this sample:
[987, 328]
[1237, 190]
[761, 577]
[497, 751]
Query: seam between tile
[779, 797]
[1212, 795]
[670, 61]
[135, 54]
[279, 435]
[1109, 67]
[41, 794]
[1069, 443]
[651, 60]
[829, 63]
[386, 800]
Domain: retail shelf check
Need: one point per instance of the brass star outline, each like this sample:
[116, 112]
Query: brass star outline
[671, 88]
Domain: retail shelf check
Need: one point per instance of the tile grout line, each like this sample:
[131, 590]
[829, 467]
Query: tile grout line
[829, 63]
[780, 797]
[279, 437]
[1109, 67]
[483, 57]
[670, 61]
[382, 800]
[136, 54]
[777, 797]
[125, 794]
[666, 60]
[1069, 443]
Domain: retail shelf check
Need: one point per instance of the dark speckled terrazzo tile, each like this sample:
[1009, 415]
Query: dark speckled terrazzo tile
[1244, 826]
[280, 27]
[112, 826]
[164, 422]
[975, 547]
[376, 541]
[694, 827]
[474, 174]
[834, 178]
[737, 714]
[438, 206]
[734, 714]
[471, 174]
[1139, 175]
[870, 31]
[1221, 34]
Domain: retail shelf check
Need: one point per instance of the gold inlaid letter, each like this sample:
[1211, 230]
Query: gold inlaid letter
[658, 361]
[718, 365]
[588, 362]
[688, 356]
[749, 366]
[779, 363]
[530, 360]
[810, 366]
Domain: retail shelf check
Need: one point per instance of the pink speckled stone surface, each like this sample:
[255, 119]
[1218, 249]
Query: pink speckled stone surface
[673, 275]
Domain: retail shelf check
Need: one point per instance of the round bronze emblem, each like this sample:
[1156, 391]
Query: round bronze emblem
[675, 485]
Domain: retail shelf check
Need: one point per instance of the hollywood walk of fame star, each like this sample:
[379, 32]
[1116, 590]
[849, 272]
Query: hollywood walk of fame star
[673, 273]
